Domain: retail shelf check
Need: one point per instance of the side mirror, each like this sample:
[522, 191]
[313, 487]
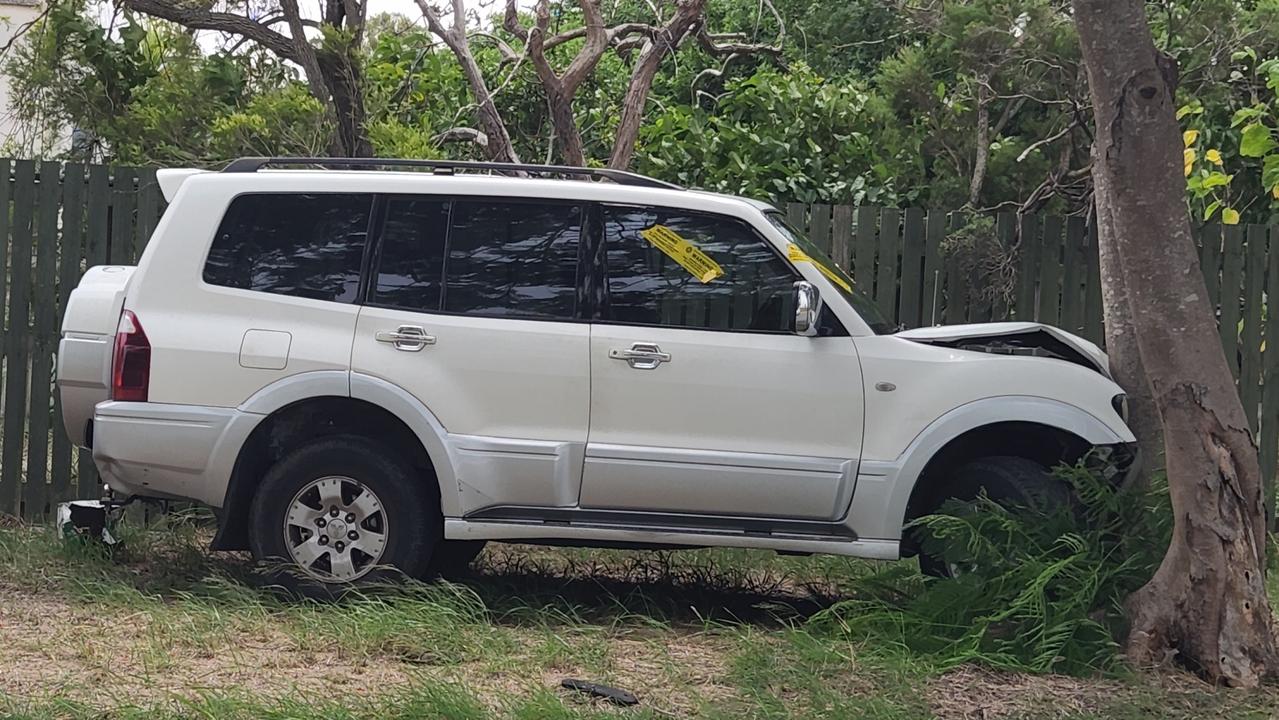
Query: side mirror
[808, 308]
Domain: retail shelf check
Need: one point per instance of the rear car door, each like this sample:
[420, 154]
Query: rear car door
[703, 400]
[472, 307]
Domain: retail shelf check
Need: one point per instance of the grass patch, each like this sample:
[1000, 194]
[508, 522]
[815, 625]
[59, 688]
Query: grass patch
[162, 628]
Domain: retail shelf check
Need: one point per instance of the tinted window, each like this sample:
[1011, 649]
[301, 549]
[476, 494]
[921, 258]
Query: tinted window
[302, 245]
[730, 278]
[411, 264]
[513, 259]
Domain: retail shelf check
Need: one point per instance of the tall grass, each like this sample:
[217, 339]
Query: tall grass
[1041, 589]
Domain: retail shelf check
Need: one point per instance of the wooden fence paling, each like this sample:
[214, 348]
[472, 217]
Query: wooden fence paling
[1050, 272]
[932, 293]
[44, 315]
[1269, 440]
[956, 284]
[1093, 315]
[819, 227]
[797, 215]
[15, 387]
[867, 238]
[1231, 282]
[1027, 267]
[841, 237]
[886, 279]
[1074, 268]
[1250, 371]
[912, 268]
[1002, 305]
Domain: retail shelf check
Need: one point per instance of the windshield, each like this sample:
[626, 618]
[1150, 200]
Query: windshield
[838, 277]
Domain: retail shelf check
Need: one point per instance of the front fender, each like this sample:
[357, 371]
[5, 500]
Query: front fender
[884, 488]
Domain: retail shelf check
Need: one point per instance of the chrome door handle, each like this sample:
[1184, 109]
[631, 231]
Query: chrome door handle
[641, 356]
[409, 338]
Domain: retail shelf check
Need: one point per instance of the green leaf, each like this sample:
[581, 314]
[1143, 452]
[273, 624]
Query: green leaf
[1230, 216]
[1256, 141]
[1216, 180]
[1211, 210]
[1270, 172]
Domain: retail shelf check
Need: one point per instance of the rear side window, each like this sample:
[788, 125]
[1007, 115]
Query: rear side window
[513, 259]
[303, 245]
[480, 257]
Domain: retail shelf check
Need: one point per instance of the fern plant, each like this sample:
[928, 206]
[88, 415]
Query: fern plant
[1041, 591]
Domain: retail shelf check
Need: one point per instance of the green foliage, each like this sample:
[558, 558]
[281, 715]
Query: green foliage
[1041, 592]
[791, 135]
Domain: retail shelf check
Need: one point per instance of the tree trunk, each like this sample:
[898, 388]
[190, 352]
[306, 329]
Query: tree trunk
[342, 74]
[1206, 604]
[687, 12]
[499, 147]
[1121, 345]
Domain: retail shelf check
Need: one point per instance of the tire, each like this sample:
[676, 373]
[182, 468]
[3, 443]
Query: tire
[387, 522]
[452, 558]
[1009, 481]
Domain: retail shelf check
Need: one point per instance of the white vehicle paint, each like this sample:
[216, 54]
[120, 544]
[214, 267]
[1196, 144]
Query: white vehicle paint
[578, 429]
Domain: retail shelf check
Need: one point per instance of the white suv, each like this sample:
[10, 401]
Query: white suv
[366, 370]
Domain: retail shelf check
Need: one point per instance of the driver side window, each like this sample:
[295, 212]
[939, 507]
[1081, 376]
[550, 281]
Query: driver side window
[675, 268]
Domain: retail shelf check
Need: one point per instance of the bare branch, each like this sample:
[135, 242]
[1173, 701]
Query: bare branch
[508, 53]
[199, 19]
[462, 134]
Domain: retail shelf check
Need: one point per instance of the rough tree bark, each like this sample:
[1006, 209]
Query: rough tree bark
[1121, 344]
[687, 14]
[334, 79]
[1206, 604]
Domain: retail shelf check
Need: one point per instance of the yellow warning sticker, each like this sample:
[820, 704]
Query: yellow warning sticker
[797, 255]
[697, 263]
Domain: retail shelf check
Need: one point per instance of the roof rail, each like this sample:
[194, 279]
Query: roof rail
[449, 167]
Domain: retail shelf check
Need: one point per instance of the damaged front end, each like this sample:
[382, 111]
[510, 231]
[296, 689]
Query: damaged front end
[1015, 338]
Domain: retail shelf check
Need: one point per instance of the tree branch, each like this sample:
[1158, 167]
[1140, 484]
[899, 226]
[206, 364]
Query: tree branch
[200, 19]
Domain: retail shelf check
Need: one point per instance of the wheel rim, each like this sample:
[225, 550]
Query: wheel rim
[335, 529]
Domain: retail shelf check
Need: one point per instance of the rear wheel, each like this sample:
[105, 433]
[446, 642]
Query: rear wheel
[1009, 481]
[342, 510]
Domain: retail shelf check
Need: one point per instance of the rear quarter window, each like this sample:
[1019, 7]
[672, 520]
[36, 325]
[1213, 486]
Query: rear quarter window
[301, 245]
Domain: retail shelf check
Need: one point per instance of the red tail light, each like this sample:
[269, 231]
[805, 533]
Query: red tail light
[131, 364]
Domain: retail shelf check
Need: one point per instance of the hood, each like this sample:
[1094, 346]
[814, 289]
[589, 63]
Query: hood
[1014, 338]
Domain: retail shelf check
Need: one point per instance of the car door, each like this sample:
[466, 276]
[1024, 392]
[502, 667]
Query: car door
[703, 400]
[472, 308]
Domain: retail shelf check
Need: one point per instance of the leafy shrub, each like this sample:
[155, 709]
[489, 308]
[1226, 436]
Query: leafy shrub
[1042, 590]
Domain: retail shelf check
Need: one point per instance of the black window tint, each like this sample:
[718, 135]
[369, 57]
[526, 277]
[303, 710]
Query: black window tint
[747, 286]
[410, 271]
[291, 244]
[513, 259]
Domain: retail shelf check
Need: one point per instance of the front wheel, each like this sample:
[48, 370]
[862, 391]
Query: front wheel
[1009, 481]
[342, 510]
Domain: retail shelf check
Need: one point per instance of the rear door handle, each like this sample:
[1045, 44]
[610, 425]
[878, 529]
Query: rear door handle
[641, 356]
[409, 338]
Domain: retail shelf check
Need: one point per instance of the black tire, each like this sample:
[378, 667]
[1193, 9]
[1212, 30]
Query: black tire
[1008, 480]
[407, 514]
[452, 558]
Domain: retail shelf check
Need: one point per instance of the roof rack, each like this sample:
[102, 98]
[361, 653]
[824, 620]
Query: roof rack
[450, 167]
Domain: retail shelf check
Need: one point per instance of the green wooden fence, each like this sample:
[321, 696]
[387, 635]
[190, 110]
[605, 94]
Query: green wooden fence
[56, 220]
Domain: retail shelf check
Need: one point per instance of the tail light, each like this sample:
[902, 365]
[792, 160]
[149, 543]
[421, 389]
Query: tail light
[131, 364]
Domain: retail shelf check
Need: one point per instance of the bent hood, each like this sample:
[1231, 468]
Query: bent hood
[1014, 338]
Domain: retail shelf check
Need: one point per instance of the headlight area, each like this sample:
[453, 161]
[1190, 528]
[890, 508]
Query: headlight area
[1120, 404]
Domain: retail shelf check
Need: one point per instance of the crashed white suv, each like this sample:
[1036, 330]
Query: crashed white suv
[363, 371]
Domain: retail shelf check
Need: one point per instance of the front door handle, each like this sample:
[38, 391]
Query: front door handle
[641, 356]
[409, 338]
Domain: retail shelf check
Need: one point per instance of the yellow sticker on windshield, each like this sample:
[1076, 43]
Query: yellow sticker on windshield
[797, 255]
[697, 263]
